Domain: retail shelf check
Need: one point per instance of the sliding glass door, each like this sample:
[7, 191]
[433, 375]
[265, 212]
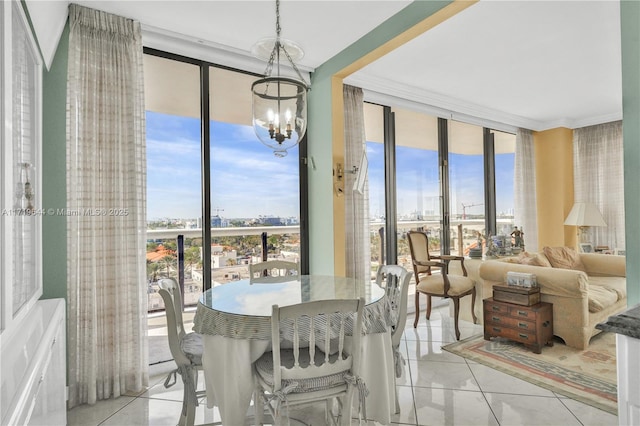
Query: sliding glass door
[417, 180]
[467, 186]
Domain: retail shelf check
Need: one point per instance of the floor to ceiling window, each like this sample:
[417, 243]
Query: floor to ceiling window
[505, 155]
[252, 190]
[440, 185]
[417, 180]
[174, 202]
[466, 183]
[374, 135]
[218, 199]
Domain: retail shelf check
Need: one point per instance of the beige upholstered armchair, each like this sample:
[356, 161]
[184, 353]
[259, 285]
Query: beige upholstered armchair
[440, 284]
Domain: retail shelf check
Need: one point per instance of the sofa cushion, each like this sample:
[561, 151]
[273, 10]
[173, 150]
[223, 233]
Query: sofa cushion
[617, 284]
[601, 297]
[533, 259]
[564, 257]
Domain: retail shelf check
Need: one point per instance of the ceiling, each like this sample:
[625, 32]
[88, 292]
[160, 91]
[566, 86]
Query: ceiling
[532, 64]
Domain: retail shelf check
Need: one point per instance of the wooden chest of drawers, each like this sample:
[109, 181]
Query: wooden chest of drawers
[531, 325]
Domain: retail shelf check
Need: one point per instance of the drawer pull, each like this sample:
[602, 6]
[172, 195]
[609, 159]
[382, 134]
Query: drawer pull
[523, 325]
[496, 319]
[524, 336]
[523, 313]
[546, 323]
[496, 308]
[496, 329]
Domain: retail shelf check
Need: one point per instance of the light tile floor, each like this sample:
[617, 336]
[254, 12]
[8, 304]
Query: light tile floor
[438, 388]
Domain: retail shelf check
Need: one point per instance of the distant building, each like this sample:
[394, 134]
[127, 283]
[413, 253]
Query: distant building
[272, 221]
[291, 221]
[159, 253]
[216, 222]
[221, 258]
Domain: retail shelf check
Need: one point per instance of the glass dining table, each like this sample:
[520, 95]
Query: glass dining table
[235, 321]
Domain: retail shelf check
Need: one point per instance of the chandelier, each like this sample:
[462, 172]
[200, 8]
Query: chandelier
[279, 103]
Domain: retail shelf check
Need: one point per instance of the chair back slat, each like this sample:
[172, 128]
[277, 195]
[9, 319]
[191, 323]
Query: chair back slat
[327, 318]
[296, 344]
[273, 271]
[173, 289]
[395, 281]
[312, 341]
[170, 293]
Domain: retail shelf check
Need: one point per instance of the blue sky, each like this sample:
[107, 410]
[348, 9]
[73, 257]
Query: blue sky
[247, 180]
[418, 185]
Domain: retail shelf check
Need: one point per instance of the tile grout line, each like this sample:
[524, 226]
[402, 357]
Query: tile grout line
[484, 395]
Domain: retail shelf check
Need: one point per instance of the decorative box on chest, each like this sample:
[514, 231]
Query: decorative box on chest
[517, 295]
[521, 279]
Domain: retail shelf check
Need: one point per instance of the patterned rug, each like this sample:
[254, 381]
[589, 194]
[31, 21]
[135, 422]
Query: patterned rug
[588, 376]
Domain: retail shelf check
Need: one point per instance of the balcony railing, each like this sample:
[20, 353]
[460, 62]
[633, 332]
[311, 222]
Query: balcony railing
[463, 233]
[224, 268]
[164, 234]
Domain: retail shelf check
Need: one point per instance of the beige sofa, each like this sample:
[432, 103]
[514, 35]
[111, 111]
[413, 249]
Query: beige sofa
[581, 299]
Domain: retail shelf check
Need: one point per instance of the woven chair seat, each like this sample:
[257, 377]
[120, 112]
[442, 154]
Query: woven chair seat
[264, 368]
[193, 347]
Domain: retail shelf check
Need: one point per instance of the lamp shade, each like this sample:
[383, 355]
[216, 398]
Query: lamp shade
[585, 214]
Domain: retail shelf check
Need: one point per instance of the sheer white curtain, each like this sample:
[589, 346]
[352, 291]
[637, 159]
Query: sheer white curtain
[598, 171]
[526, 217]
[358, 243]
[106, 201]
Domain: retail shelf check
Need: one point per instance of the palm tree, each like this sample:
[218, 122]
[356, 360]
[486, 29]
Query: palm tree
[192, 258]
[152, 270]
[168, 262]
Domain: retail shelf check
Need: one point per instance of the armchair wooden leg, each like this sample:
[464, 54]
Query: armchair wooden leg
[428, 306]
[473, 306]
[415, 322]
[456, 312]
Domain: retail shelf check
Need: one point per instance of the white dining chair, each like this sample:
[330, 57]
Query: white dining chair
[273, 270]
[186, 349]
[395, 281]
[314, 364]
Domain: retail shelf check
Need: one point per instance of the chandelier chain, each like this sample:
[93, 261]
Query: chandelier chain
[279, 45]
[278, 28]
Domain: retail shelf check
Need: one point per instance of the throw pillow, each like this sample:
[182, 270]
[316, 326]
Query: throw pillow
[533, 259]
[564, 257]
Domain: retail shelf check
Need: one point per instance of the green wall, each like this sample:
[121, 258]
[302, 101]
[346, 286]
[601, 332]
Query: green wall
[54, 184]
[630, 31]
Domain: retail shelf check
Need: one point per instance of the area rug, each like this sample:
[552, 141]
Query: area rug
[588, 376]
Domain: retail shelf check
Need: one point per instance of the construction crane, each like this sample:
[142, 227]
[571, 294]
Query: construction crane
[464, 208]
[217, 211]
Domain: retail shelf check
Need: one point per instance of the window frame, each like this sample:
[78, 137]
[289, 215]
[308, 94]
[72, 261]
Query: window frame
[389, 143]
[205, 141]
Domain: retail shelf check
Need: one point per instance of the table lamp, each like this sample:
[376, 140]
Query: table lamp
[584, 215]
